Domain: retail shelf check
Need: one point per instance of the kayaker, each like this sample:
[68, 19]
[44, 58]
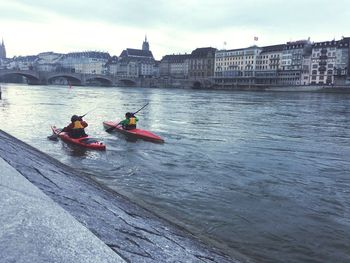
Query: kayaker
[76, 128]
[130, 121]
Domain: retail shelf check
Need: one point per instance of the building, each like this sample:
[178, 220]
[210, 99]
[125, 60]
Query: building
[236, 66]
[175, 66]
[329, 62]
[292, 62]
[112, 66]
[88, 62]
[201, 63]
[268, 64]
[342, 69]
[48, 61]
[141, 58]
[22, 63]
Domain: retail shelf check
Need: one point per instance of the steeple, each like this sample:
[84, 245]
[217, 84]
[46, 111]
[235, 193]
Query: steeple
[2, 50]
[145, 45]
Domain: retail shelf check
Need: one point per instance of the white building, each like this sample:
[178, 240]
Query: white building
[236, 66]
[268, 64]
[90, 62]
[48, 61]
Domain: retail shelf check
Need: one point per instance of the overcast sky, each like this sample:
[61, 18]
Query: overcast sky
[29, 27]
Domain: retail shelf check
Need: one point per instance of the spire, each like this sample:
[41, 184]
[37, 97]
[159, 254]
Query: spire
[145, 44]
[2, 49]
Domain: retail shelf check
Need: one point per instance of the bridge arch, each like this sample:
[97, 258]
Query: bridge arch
[103, 81]
[70, 78]
[197, 85]
[126, 83]
[31, 76]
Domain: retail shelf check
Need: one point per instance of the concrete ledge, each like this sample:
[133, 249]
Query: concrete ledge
[36, 229]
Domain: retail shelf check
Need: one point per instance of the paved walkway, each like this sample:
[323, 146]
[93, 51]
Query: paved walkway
[34, 228]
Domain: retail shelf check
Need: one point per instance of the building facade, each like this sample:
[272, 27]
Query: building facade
[201, 63]
[174, 66]
[89, 62]
[268, 64]
[329, 62]
[141, 58]
[292, 61]
[237, 66]
[48, 61]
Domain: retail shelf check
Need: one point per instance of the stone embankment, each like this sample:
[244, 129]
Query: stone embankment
[53, 213]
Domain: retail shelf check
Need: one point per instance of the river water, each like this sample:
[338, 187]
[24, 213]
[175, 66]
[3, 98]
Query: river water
[266, 174]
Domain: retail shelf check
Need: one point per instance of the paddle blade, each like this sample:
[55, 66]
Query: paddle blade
[113, 127]
[110, 129]
[53, 137]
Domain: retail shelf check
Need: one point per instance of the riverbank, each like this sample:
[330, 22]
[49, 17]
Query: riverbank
[131, 232]
[208, 84]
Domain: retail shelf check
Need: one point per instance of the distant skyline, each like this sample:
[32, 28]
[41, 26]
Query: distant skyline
[29, 27]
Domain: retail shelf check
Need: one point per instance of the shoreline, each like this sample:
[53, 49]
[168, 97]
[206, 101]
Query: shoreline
[187, 84]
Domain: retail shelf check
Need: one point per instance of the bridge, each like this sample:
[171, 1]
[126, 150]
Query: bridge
[77, 79]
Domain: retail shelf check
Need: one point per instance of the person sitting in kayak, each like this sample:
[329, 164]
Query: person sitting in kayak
[130, 121]
[76, 128]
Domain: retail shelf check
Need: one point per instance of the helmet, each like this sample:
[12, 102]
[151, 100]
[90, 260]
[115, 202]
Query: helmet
[128, 115]
[74, 118]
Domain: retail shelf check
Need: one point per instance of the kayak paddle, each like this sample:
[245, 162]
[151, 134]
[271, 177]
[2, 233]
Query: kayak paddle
[112, 128]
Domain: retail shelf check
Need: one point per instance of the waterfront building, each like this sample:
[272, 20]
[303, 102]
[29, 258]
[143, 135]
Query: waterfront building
[175, 66]
[329, 62]
[342, 63]
[142, 58]
[48, 62]
[89, 62]
[112, 66]
[291, 68]
[268, 64]
[236, 66]
[128, 68]
[156, 69]
[22, 63]
[201, 63]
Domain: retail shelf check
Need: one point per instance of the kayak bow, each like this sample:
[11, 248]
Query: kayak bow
[134, 133]
[86, 142]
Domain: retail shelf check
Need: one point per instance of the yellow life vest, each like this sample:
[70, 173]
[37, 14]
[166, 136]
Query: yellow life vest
[77, 125]
[132, 121]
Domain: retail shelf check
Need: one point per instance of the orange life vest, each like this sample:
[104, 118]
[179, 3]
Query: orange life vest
[132, 121]
[77, 125]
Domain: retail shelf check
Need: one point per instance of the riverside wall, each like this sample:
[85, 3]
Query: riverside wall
[166, 83]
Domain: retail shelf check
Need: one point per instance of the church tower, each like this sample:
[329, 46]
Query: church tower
[2, 50]
[145, 45]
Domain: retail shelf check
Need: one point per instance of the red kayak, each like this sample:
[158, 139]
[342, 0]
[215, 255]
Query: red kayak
[134, 133]
[86, 142]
